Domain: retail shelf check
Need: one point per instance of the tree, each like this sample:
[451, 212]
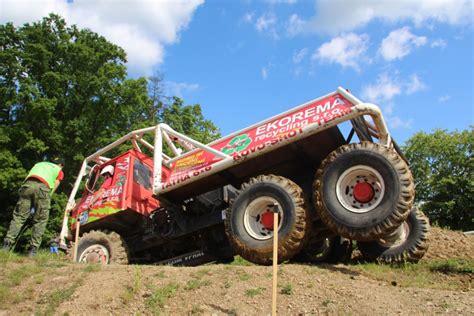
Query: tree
[443, 165]
[64, 92]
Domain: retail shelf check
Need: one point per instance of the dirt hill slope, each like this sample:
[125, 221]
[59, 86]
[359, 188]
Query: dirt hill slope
[49, 286]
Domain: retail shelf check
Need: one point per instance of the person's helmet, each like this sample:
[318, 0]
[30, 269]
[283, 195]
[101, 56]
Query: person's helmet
[58, 161]
[107, 169]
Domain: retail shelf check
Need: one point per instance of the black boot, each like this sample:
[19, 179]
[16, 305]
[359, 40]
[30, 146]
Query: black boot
[7, 245]
[32, 252]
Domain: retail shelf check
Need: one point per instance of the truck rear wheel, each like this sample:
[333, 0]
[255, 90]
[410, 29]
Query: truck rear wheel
[249, 220]
[408, 243]
[363, 191]
[103, 247]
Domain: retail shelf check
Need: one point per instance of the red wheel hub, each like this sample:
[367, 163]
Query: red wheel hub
[363, 192]
[267, 220]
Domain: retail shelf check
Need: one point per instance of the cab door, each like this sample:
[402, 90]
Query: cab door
[142, 189]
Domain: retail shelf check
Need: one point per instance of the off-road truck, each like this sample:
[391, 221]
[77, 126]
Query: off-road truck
[175, 200]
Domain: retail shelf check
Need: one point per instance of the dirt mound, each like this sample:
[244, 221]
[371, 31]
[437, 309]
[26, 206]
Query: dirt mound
[445, 244]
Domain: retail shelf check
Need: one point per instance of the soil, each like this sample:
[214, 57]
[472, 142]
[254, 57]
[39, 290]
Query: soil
[246, 290]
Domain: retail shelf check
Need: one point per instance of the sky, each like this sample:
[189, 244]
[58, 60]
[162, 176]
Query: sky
[247, 60]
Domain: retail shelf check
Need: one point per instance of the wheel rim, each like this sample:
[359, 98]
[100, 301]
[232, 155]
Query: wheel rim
[360, 189]
[258, 218]
[397, 238]
[95, 254]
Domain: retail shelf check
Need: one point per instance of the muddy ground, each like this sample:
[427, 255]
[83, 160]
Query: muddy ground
[434, 286]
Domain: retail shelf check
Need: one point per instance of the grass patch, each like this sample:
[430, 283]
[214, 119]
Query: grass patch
[196, 284]
[459, 266]
[244, 276]
[254, 292]
[131, 291]
[239, 261]
[326, 302]
[287, 289]
[159, 296]
[160, 275]
[57, 297]
[9, 256]
[16, 276]
[92, 268]
[433, 274]
[46, 259]
[202, 272]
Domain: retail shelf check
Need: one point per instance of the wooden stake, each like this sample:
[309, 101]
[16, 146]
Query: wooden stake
[76, 239]
[275, 259]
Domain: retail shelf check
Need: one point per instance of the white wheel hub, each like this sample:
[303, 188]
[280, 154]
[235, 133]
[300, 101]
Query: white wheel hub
[360, 189]
[258, 218]
[397, 238]
[95, 254]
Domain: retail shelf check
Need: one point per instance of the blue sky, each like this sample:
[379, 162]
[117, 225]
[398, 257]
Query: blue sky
[247, 60]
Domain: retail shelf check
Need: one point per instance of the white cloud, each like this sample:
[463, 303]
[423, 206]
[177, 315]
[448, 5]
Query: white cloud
[444, 98]
[348, 50]
[385, 89]
[264, 73]
[266, 23]
[397, 122]
[142, 28]
[296, 25]
[248, 17]
[179, 89]
[414, 85]
[441, 43]
[300, 55]
[399, 43]
[388, 86]
[346, 15]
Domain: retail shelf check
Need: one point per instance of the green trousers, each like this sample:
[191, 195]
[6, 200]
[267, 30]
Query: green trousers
[32, 195]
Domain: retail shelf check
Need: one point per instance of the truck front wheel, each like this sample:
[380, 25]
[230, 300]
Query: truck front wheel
[249, 220]
[103, 247]
[363, 191]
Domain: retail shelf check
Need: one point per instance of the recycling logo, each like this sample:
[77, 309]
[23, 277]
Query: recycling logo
[237, 144]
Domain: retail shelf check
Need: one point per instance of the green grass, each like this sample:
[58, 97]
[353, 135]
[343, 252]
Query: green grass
[92, 268]
[8, 256]
[55, 298]
[326, 302]
[239, 261]
[160, 275]
[254, 292]
[287, 289]
[49, 260]
[156, 301]
[196, 284]
[450, 266]
[244, 276]
[202, 272]
[18, 275]
[430, 274]
[132, 290]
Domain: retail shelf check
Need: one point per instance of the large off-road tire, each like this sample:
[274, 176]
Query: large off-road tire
[407, 244]
[334, 249]
[363, 191]
[103, 247]
[249, 219]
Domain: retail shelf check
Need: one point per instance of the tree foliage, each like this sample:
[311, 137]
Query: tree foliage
[64, 92]
[443, 165]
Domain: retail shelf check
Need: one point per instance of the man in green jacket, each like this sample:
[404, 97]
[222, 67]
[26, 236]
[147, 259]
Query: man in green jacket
[35, 197]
